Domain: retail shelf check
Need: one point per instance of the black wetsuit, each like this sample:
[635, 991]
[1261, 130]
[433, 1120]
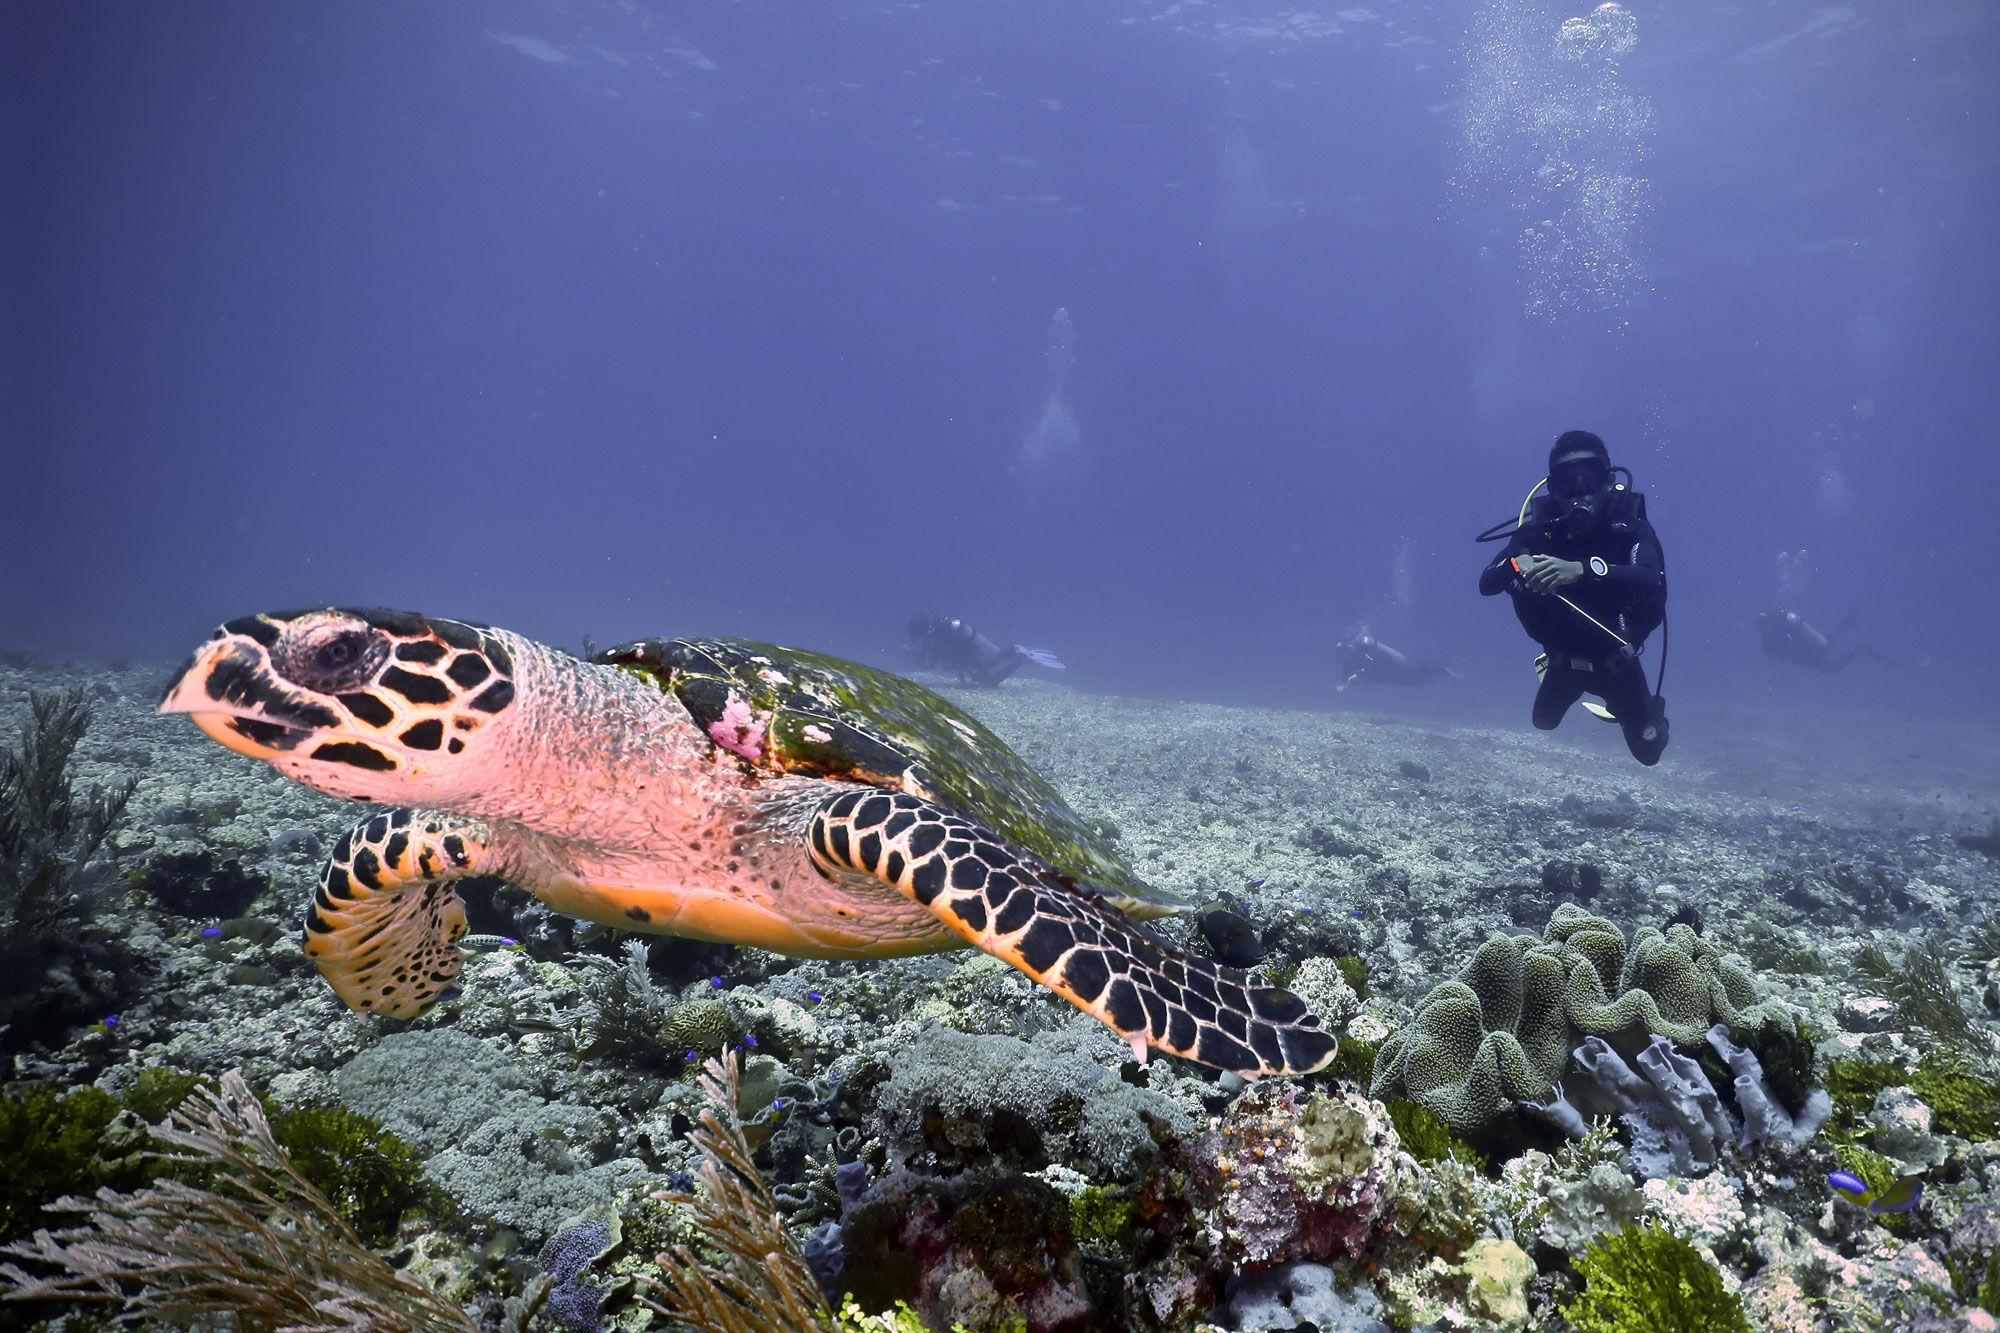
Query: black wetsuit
[1788, 638]
[1373, 662]
[946, 643]
[1629, 597]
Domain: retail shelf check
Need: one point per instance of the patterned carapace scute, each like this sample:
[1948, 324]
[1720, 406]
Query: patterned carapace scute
[825, 717]
[1502, 1032]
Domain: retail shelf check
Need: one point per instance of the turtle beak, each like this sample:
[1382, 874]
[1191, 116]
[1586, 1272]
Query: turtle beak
[227, 690]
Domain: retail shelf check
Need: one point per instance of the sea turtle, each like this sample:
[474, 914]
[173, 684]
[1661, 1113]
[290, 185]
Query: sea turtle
[714, 788]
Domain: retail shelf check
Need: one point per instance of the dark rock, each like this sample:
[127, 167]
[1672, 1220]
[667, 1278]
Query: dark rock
[297, 841]
[1621, 811]
[195, 884]
[1576, 879]
[1322, 840]
[1987, 844]
[1410, 768]
[1231, 938]
[980, 1249]
[1302, 935]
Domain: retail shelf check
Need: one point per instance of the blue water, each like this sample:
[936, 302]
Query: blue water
[1178, 338]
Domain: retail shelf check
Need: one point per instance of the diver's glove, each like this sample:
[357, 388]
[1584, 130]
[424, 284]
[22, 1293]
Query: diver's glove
[1546, 573]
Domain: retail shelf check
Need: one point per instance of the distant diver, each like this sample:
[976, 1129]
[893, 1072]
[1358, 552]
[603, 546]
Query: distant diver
[1367, 660]
[1788, 638]
[946, 643]
[1589, 583]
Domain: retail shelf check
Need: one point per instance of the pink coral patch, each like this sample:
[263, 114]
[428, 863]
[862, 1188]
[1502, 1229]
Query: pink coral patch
[739, 730]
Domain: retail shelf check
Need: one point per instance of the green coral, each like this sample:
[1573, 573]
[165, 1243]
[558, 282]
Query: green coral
[902, 1319]
[1852, 1084]
[1961, 1102]
[1877, 1172]
[1354, 971]
[1503, 1030]
[703, 1026]
[1101, 1220]
[157, 1091]
[1986, 1294]
[1428, 1138]
[1353, 1059]
[368, 1173]
[1645, 1279]
[49, 1147]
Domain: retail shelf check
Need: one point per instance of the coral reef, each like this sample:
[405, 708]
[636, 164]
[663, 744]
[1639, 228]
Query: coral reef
[485, 1137]
[1502, 1032]
[1286, 1176]
[1645, 1277]
[1298, 1295]
[1041, 1166]
[199, 886]
[574, 1296]
[1486, 1289]
[983, 1249]
[954, 1099]
[748, 1274]
[260, 1245]
[50, 838]
[371, 1177]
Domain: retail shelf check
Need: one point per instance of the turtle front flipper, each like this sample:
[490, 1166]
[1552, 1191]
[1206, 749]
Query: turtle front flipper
[1067, 938]
[384, 924]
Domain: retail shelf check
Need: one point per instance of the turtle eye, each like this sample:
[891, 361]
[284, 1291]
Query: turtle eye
[332, 660]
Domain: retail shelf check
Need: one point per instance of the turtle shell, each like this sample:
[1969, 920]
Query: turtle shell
[789, 711]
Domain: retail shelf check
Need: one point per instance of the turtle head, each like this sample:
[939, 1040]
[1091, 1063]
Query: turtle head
[367, 705]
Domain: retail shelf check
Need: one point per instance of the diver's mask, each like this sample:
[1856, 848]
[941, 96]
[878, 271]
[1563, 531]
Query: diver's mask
[1580, 487]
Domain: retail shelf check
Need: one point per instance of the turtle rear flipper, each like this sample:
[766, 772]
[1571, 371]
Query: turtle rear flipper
[1067, 938]
[385, 921]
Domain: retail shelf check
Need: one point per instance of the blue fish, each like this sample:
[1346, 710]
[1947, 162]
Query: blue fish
[1900, 1197]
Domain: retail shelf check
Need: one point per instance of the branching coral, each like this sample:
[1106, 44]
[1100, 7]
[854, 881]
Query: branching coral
[626, 1010]
[49, 834]
[754, 1279]
[1922, 986]
[260, 1244]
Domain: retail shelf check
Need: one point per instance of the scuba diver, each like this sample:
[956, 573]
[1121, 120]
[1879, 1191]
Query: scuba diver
[1788, 638]
[1367, 659]
[1589, 583]
[946, 643]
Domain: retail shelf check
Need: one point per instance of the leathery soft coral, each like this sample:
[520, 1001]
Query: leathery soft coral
[1502, 1032]
[1284, 1176]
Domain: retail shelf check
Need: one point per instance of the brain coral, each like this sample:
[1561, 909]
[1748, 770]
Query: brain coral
[1502, 1032]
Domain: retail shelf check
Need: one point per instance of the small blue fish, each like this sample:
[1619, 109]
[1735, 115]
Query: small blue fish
[715, 982]
[814, 996]
[1257, 883]
[111, 1020]
[210, 932]
[1900, 1197]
